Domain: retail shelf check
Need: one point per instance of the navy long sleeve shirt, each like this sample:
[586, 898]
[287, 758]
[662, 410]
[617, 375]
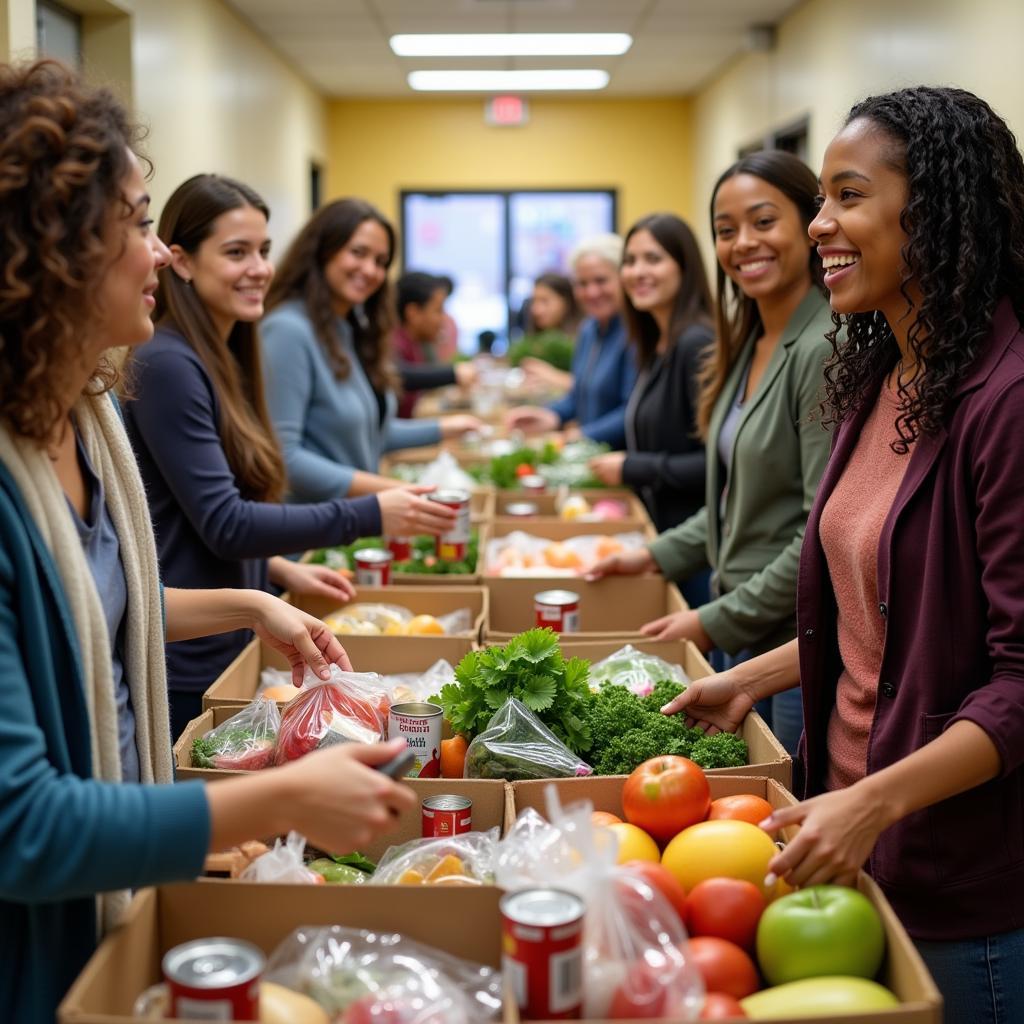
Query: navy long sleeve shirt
[208, 535]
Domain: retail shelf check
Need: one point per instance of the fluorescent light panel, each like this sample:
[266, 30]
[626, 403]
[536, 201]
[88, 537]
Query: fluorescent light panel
[513, 44]
[507, 81]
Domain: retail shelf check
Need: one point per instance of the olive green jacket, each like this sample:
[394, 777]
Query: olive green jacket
[778, 457]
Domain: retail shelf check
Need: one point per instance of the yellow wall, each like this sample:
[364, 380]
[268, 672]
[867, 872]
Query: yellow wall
[829, 54]
[641, 147]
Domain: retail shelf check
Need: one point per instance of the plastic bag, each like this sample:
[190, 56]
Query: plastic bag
[283, 863]
[361, 977]
[245, 742]
[517, 745]
[522, 554]
[394, 620]
[635, 670]
[350, 706]
[276, 684]
[445, 473]
[418, 686]
[634, 944]
[465, 859]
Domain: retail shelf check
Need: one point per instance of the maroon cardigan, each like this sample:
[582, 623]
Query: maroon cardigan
[951, 592]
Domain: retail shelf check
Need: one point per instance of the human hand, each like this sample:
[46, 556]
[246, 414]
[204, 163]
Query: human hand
[459, 424]
[404, 513]
[301, 638]
[540, 374]
[716, 703]
[531, 419]
[625, 563]
[679, 626]
[465, 374]
[837, 832]
[338, 801]
[608, 467]
[312, 580]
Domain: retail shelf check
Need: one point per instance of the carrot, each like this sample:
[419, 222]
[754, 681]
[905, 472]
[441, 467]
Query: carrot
[453, 757]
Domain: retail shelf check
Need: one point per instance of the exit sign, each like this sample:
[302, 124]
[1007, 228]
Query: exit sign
[506, 110]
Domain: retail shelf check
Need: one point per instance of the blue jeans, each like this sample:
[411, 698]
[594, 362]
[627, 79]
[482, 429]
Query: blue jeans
[981, 980]
[696, 589]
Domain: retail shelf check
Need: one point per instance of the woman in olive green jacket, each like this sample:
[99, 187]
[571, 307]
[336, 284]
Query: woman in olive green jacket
[766, 449]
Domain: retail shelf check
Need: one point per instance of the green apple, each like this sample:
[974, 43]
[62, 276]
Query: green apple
[825, 929]
[818, 997]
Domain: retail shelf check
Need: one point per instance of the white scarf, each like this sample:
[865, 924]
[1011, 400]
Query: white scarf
[107, 446]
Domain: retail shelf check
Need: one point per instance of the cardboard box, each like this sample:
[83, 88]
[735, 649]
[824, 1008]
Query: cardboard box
[558, 529]
[547, 503]
[613, 607]
[903, 971]
[767, 758]
[463, 922]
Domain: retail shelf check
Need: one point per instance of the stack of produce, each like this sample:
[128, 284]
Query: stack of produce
[395, 620]
[521, 554]
[423, 560]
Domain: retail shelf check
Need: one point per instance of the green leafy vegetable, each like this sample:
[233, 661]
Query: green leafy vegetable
[554, 347]
[355, 860]
[422, 562]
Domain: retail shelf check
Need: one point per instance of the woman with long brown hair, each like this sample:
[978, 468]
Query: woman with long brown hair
[213, 471]
[330, 384]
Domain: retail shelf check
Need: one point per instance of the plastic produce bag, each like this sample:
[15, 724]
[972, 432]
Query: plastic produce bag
[283, 863]
[418, 686]
[522, 554]
[517, 745]
[349, 707]
[464, 859]
[445, 473]
[362, 977]
[245, 742]
[635, 670]
[634, 944]
[368, 619]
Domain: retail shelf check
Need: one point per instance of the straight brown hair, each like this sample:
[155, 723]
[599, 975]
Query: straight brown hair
[235, 368]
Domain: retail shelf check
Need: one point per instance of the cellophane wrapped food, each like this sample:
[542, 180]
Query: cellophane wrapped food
[522, 554]
[348, 707]
[464, 859]
[245, 742]
[363, 977]
[284, 863]
[636, 670]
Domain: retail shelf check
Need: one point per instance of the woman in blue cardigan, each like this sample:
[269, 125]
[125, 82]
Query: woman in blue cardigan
[87, 808]
[330, 384]
[212, 467]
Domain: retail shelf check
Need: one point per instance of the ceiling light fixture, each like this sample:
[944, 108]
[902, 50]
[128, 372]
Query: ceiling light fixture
[507, 81]
[513, 44]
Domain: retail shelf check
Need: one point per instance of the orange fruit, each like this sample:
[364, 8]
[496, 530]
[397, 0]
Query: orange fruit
[634, 843]
[720, 849]
[424, 625]
[558, 556]
[605, 818]
[606, 547]
[741, 807]
[453, 757]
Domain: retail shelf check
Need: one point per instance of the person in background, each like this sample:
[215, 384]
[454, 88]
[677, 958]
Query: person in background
[329, 382]
[668, 320]
[603, 363]
[419, 300]
[766, 448]
[545, 352]
[88, 808]
[212, 467]
[910, 603]
[447, 343]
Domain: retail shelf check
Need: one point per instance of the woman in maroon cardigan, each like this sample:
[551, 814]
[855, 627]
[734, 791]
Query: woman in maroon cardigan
[910, 604]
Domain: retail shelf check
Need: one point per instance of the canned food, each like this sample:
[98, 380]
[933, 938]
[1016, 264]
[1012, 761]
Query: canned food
[453, 545]
[533, 484]
[420, 724]
[214, 979]
[373, 567]
[521, 509]
[542, 952]
[559, 609]
[446, 815]
[400, 547]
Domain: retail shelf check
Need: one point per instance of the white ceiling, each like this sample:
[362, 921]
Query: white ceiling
[341, 46]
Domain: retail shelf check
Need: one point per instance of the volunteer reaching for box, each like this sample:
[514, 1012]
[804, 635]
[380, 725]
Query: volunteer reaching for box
[86, 805]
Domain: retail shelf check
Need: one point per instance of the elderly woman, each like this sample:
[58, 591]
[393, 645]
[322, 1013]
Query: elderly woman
[603, 365]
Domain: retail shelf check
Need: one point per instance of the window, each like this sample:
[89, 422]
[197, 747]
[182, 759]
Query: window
[791, 138]
[494, 244]
[59, 32]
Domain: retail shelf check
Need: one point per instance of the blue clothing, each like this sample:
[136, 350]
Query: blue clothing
[63, 835]
[207, 534]
[103, 554]
[328, 428]
[604, 372]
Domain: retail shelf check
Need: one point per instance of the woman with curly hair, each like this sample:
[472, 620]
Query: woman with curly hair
[330, 384]
[87, 808]
[910, 607]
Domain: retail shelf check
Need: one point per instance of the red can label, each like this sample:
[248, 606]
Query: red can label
[558, 609]
[400, 548]
[214, 979]
[373, 567]
[446, 815]
[542, 952]
[453, 545]
[420, 724]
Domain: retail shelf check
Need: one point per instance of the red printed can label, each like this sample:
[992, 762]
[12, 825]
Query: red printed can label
[214, 979]
[373, 567]
[420, 724]
[400, 548]
[558, 609]
[542, 952]
[446, 815]
[453, 545]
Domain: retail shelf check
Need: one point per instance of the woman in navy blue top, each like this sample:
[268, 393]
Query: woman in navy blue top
[213, 471]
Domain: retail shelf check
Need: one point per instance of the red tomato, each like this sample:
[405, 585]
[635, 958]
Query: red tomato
[524, 469]
[659, 878]
[665, 795]
[727, 908]
[641, 995]
[724, 966]
[719, 1006]
[741, 807]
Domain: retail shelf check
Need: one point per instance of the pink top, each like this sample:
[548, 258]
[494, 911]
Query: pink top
[851, 524]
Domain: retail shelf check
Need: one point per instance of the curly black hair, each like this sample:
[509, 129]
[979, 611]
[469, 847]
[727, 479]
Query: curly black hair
[964, 221]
